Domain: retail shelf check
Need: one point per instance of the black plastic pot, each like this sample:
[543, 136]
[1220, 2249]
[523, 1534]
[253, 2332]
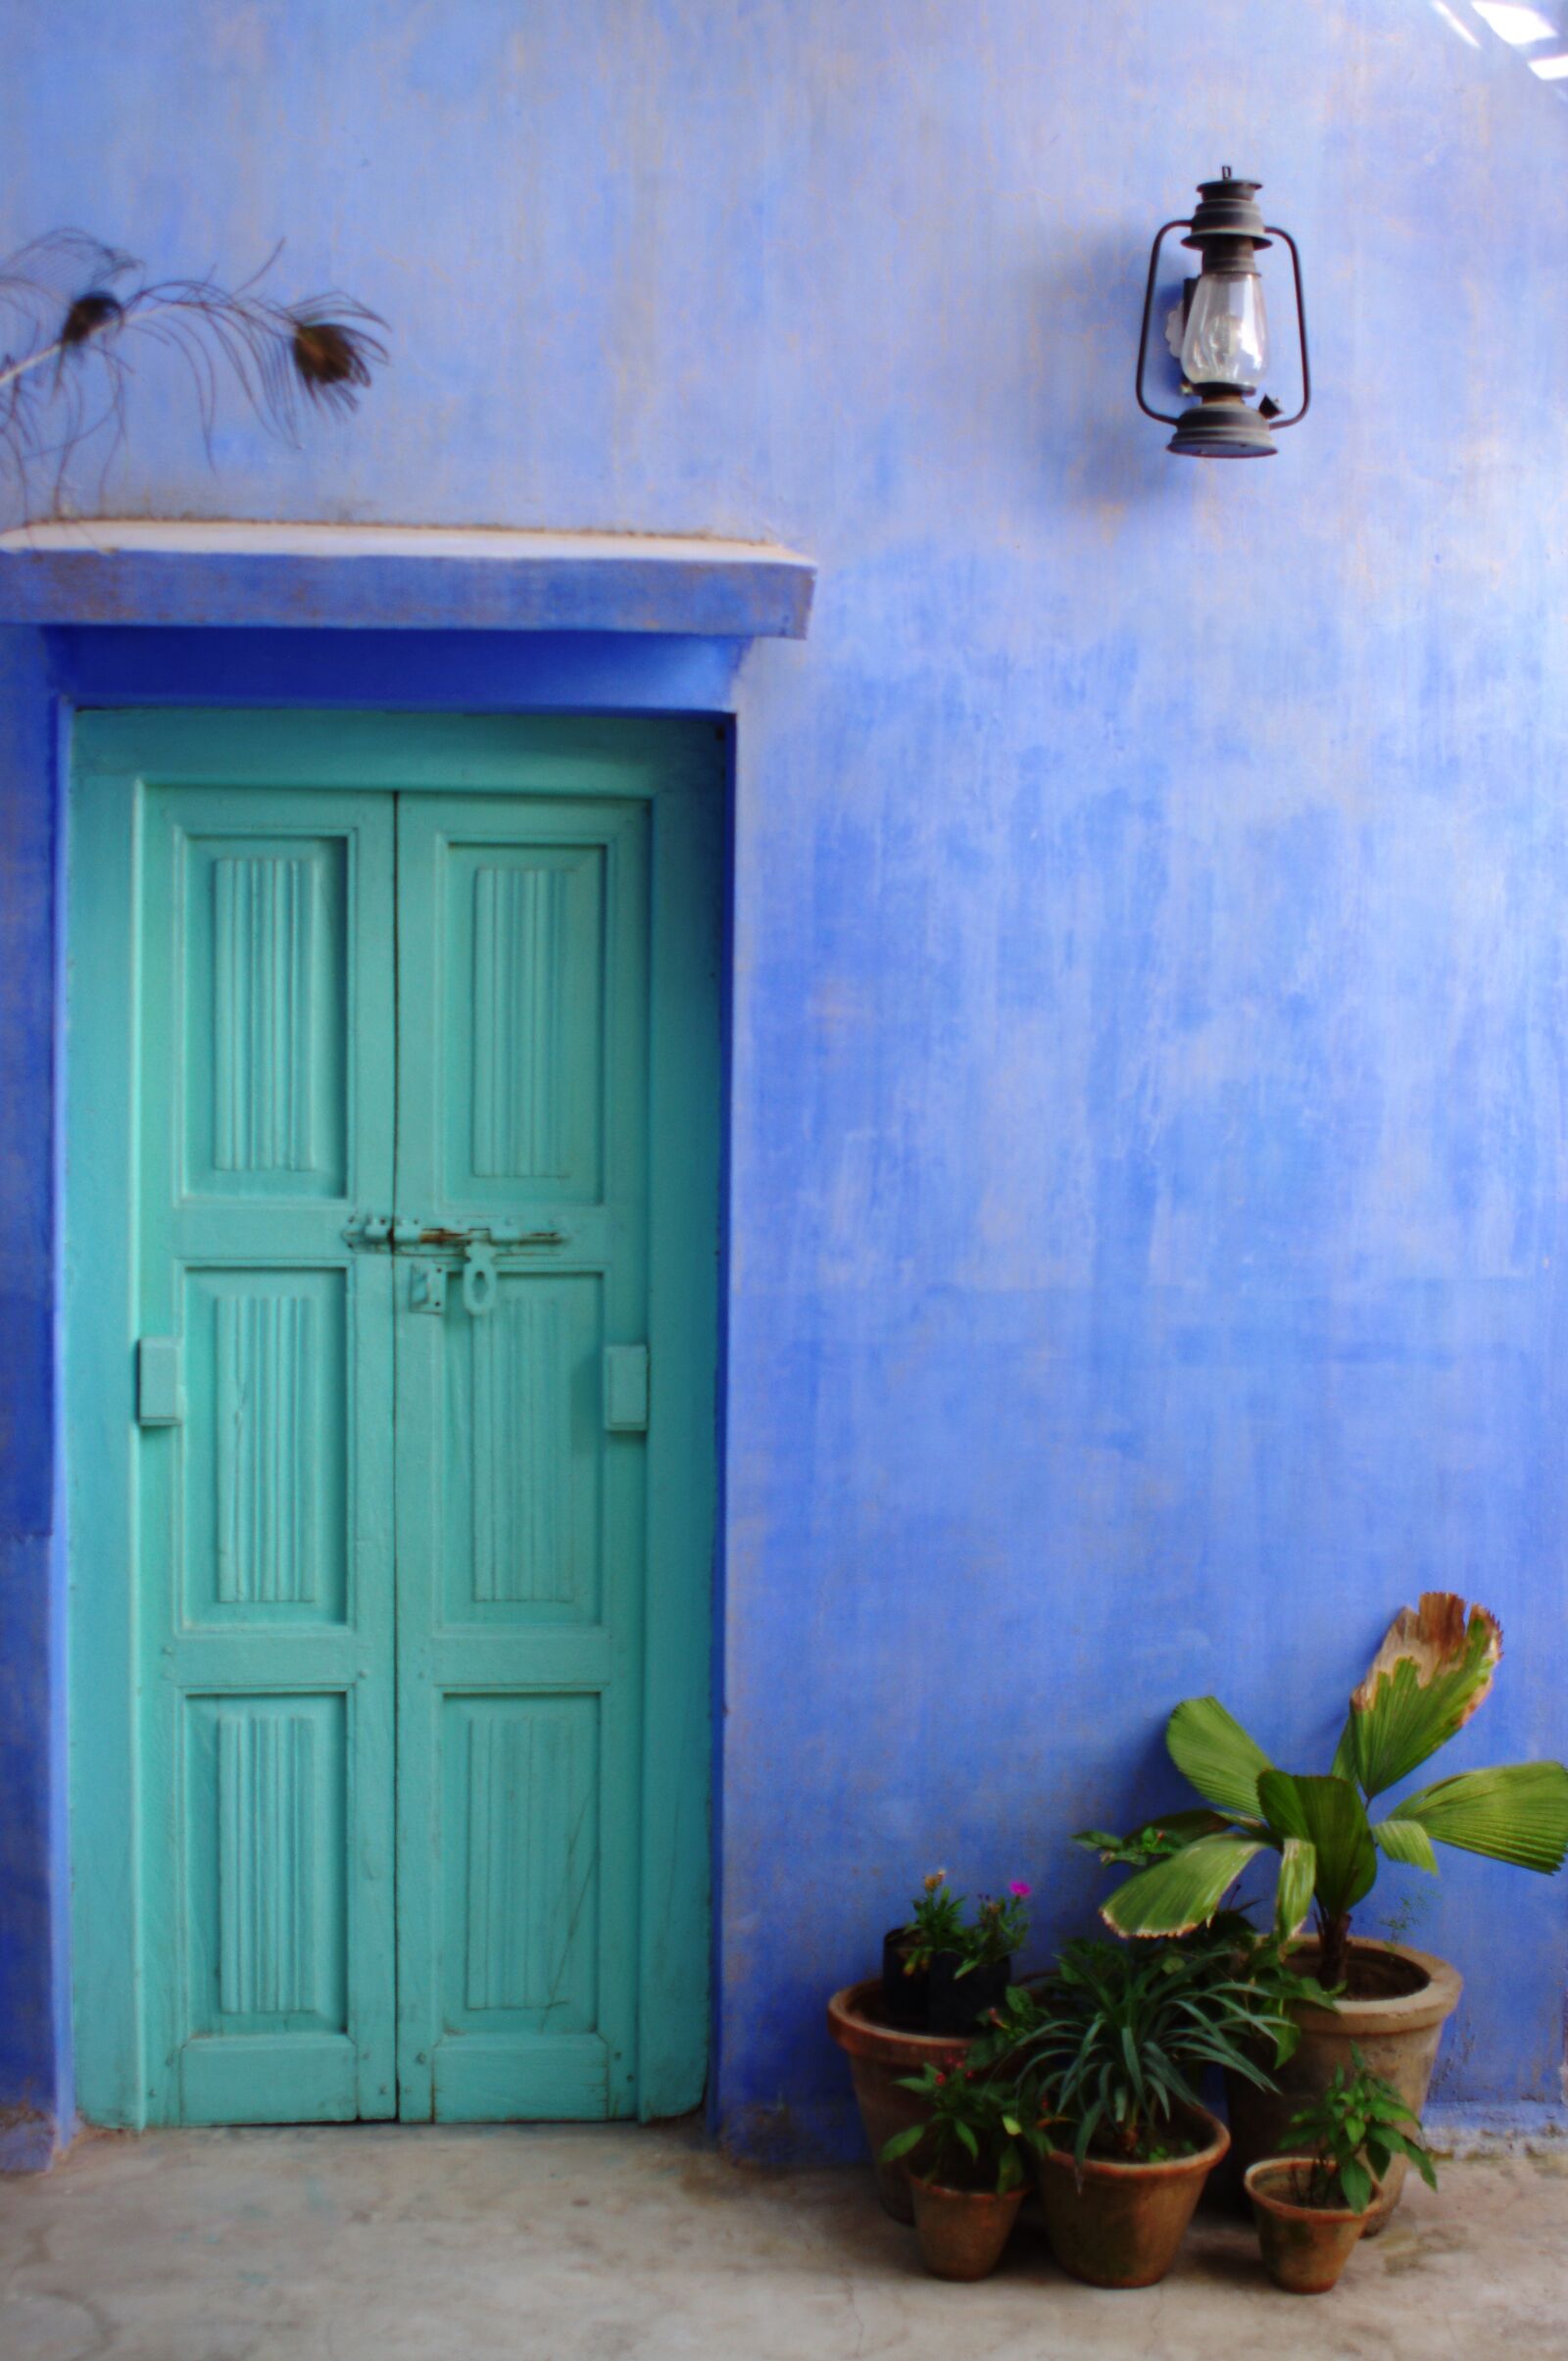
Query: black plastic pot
[960, 2005]
[904, 1996]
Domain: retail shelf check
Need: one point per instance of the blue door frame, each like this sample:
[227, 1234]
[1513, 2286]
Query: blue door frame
[671, 2075]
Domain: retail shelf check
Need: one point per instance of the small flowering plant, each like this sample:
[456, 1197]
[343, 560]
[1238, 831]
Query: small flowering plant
[936, 1922]
[1000, 1928]
[975, 2134]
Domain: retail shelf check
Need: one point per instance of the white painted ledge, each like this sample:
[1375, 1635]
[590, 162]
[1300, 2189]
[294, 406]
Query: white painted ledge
[398, 577]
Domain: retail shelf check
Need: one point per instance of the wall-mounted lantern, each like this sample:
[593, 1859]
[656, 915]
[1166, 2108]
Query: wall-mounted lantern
[1219, 330]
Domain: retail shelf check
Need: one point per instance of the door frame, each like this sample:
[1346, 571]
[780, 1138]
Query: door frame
[678, 765]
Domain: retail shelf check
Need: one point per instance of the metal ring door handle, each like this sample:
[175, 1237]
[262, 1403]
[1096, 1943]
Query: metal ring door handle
[480, 1282]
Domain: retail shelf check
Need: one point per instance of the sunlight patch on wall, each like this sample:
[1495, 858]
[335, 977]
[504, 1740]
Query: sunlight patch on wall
[1521, 26]
[1451, 20]
[1513, 23]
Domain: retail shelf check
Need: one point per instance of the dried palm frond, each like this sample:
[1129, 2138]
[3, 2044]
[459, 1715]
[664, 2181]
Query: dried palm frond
[71, 308]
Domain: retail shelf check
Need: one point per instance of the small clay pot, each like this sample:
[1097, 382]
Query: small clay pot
[963, 2231]
[961, 2003]
[1305, 2247]
[880, 2055]
[903, 1993]
[1120, 2224]
[1400, 2001]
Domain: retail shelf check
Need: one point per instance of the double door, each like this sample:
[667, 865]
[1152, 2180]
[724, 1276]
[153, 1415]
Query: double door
[391, 1294]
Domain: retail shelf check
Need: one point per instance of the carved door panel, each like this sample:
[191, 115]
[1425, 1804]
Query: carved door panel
[266, 1586]
[523, 1027]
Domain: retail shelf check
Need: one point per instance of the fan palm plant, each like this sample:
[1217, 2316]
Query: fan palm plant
[1433, 1671]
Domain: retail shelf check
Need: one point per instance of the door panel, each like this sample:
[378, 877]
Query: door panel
[523, 1085]
[266, 1538]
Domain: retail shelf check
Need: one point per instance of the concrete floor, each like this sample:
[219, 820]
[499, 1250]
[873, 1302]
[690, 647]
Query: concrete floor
[550, 2245]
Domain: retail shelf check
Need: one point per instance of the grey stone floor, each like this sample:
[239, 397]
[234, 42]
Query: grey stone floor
[333, 2244]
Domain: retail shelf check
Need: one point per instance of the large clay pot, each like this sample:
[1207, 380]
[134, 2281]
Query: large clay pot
[878, 2053]
[1120, 2224]
[1395, 2012]
[963, 2231]
[1305, 2247]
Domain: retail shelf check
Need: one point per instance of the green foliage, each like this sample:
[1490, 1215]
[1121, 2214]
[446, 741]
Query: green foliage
[1327, 1815]
[936, 1924]
[1212, 1751]
[936, 1921]
[1433, 1671]
[1155, 1840]
[1516, 1813]
[1184, 1891]
[1108, 2049]
[974, 2136]
[1353, 2135]
[1000, 1928]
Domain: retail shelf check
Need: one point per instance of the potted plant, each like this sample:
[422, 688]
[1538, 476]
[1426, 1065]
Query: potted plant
[965, 2168]
[1311, 2207]
[1433, 1671]
[969, 1979]
[881, 2023]
[1104, 2053]
[935, 1924]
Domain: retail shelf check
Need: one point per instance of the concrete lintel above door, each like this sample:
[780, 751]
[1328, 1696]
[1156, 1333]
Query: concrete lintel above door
[142, 571]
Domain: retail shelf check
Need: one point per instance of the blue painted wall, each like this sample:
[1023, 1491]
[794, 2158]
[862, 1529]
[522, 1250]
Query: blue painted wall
[1151, 1007]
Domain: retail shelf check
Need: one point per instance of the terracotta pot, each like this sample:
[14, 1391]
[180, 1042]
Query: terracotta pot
[1305, 2247]
[1396, 2025]
[963, 2231]
[1119, 2224]
[878, 2055]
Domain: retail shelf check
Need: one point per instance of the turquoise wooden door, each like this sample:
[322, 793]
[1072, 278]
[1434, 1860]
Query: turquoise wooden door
[409, 1809]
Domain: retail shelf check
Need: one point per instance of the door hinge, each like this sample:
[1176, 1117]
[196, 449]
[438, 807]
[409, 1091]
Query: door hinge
[160, 1396]
[626, 1388]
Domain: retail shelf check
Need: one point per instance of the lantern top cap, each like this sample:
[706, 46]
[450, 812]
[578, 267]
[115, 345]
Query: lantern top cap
[1229, 209]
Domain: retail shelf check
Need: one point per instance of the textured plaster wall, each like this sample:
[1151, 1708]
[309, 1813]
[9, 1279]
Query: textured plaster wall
[1150, 998]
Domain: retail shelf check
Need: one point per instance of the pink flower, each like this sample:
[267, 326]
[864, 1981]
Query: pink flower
[1020, 1890]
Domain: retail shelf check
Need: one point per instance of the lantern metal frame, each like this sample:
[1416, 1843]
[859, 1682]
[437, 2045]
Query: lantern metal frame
[1222, 423]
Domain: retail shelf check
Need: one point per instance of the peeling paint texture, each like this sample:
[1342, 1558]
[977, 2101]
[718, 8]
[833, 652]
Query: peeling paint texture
[1149, 1010]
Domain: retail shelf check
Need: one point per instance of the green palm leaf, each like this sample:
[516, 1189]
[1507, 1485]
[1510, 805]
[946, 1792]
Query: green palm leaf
[1298, 1877]
[1329, 1814]
[1433, 1671]
[1406, 1840]
[1514, 1813]
[1176, 1896]
[1209, 1748]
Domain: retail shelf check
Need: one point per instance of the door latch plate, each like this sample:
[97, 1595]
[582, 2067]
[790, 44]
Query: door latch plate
[427, 1288]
